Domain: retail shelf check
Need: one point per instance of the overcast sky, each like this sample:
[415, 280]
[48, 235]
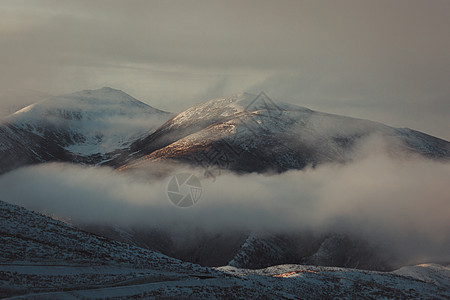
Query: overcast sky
[387, 61]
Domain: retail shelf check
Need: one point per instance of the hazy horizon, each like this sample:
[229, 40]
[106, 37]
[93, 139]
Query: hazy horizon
[387, 61]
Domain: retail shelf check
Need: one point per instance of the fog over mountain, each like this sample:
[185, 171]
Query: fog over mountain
[303, 187]
[90, 266]
[271, 172]
[225, 149]
[402, 205]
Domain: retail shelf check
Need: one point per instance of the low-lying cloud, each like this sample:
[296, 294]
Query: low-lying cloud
[402, 204]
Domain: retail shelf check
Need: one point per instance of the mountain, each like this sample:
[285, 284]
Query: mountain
[249, 133]
[252, 133]
[261, 250]
[254, 250]
[19, 147]
[91, 121]
[42, 258]
[243, 133]
[85, 127]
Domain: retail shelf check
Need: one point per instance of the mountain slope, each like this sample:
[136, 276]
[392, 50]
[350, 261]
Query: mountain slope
[47, 259]
[65, 256]
[19, 147]
[90, 121]
[86, 127]
[249, 133]
[244, 133]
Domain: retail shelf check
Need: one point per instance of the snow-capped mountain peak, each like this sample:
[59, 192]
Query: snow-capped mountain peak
[104, 100]
[256, 133]
[262, 102]
[103, 96]
[91, 121]
[225, 108]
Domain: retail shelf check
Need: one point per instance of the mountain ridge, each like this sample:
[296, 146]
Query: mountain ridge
[85, 127]
[44, 258]
[251, 134]
[248, 133]
[90, 121]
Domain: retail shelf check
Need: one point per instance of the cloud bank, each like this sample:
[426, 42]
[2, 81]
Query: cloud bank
[400, 204]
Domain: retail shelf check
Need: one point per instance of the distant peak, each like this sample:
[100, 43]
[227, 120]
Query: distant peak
[109, 89]
[104, 93]
[104, 89]
[253, 102]
[261, 101]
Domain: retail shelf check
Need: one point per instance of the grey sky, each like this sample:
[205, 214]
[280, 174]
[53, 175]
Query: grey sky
[384, 60]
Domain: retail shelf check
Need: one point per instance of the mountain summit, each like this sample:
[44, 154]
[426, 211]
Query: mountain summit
[252, 133]
[243, 133]
[90, 121]
[86, 127]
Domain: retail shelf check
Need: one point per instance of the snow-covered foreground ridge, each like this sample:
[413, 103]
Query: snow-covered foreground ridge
[44, 258]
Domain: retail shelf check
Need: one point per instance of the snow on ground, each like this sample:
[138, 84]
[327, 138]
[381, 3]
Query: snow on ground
[91, 121]
[278, 282]
[432, 273]
[44, 258]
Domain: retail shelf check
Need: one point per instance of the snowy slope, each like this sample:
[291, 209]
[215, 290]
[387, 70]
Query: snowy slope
[432, 273]
[19, 147]
[245, 133]
[90, 121]
[44, 258]
[309, 282]
[253, 133]
[29, 237]
[38, 253]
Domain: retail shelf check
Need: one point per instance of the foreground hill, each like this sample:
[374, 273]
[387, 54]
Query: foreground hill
[44, 258]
